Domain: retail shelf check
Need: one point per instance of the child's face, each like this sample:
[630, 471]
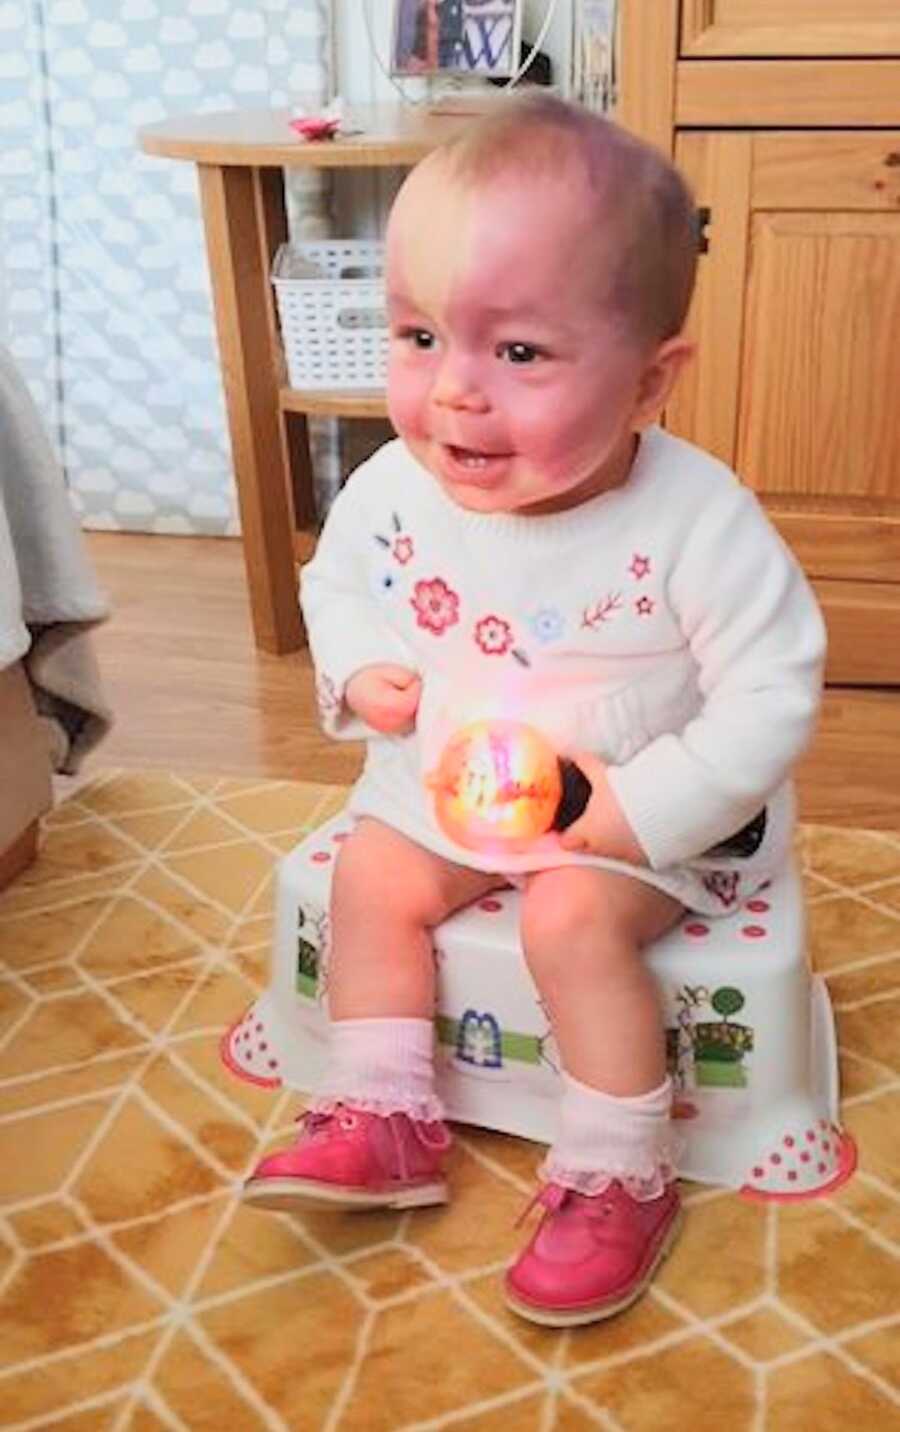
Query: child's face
[507, 378]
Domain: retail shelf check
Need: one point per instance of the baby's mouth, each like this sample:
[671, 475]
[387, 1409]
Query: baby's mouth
[472, 458]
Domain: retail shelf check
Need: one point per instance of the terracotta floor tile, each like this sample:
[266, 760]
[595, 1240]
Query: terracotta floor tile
[41, 937]
[13, 1004]
[193, 1107]
[844, 930]
[389, 1274]
[151, 829]
[851, 857]
[68, 1030]
[830, 1274]
[523, 1414]
[44, 1223]
[135, 937]
[203, 827]
[725, 1239]
[280, 808]
[63, 1298]
[170, 1246]
[141, 1167]
[292, 1343]
[228, 875]
[38, 1151]
[874, 1125]
[396, 1381]
[764, 1335]
[185, 906]
[821, 1393]
[873, 1031]
[876, 979]
[253, 1246]
[693, 1385]
[78, 1081]
[880, 1351]
[478, 1225]
[284, 1321]
[216, 1001]
[128, 791]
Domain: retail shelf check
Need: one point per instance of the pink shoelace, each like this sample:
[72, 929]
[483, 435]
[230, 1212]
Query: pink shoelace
[314, 1121]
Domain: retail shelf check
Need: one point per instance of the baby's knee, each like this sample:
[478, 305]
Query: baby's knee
[387, 877]
[571, 934]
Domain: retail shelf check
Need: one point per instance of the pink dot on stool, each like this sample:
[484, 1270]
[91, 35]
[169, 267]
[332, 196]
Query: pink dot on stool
[695, 928]
[753, 932]
[759, 1173]
[321, 856]
[490, 905]
[792, 1176]
[776, 1158]
[758, 906]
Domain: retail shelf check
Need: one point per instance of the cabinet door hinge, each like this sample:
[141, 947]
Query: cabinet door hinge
[704, 215]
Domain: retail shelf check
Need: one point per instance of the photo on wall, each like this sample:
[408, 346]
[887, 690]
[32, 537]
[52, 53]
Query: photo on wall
[467, 37]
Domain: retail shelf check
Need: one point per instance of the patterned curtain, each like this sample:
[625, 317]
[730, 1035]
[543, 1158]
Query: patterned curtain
[104, 290]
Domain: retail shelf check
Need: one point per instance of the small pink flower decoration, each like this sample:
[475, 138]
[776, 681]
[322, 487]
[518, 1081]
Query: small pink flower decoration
[640, 566]
[494, 636]
[435, 605]
[315, 126]
[644, 606]
[403, 550]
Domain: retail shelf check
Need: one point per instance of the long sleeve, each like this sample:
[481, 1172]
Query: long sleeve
[757, 636]
[346, 629]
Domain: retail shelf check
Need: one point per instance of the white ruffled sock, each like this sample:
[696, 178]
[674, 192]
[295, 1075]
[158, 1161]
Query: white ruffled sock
[383, 1065]
[602, 1138]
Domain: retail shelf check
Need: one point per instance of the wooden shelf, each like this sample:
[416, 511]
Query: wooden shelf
[334, 403]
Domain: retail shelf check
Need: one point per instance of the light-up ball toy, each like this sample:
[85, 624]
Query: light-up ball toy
[499, 785]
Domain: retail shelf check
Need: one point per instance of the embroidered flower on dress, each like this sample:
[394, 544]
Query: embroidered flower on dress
[603, 610]
[640, 567]
[435, 605]
[493, 635]
[547, 624]
[724, 885]
[403, 550]
[644, 606]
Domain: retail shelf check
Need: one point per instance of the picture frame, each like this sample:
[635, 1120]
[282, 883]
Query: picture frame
[475, 38]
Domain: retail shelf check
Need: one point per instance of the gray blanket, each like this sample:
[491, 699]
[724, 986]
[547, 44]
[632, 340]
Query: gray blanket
[49, 598]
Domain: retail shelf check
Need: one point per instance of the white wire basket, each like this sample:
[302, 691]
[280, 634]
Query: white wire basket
[330, 296]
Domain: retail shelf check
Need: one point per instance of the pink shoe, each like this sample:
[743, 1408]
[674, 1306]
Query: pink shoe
[354, 1159]
[591, 1257]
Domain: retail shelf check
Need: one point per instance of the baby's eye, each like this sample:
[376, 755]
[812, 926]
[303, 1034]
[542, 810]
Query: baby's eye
[420, 338]
[518, 352]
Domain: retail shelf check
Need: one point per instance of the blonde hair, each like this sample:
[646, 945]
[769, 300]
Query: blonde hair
[645, 213]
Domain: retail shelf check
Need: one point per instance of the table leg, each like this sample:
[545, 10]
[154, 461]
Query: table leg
[243, 214]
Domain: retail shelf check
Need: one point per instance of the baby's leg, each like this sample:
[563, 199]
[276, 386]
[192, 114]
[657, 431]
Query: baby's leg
[387, 897]
[612, 1208]
[584, 933]
[374, 1137]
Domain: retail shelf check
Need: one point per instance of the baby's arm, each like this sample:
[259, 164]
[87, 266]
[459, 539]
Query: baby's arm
[365, 673]
[757, 635]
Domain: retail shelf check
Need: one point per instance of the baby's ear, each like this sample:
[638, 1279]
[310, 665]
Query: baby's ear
[660, 376]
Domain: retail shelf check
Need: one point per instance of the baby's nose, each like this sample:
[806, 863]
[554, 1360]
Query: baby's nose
[457, 386]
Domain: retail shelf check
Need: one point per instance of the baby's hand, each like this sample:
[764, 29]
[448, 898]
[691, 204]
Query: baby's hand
[385, 697]
[601, 829]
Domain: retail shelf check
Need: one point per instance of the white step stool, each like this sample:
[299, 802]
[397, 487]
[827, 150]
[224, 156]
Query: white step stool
[749, 1030]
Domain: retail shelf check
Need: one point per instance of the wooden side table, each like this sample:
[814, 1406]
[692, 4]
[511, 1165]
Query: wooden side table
[240, 158]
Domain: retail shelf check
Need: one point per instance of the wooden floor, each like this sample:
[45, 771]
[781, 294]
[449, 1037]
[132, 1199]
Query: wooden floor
[191, 692]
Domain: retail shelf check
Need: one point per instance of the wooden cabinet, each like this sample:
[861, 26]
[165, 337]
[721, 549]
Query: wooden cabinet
[797, 309]
[788, 27]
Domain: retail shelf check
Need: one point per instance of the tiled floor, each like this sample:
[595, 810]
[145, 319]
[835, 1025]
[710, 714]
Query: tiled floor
[136, 1294]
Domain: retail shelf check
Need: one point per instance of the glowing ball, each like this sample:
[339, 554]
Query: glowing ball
[498, 784]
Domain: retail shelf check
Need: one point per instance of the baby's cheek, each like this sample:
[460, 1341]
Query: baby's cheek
[407, 397]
